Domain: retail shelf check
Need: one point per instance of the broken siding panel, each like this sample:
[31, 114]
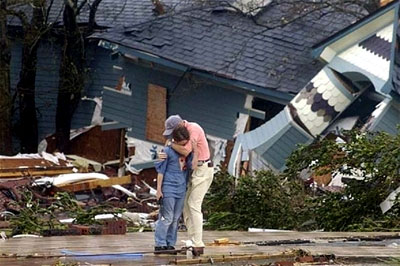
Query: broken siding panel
[156, 113]
[284, 146]
[264, 136]
[117, 106]
[388, 123]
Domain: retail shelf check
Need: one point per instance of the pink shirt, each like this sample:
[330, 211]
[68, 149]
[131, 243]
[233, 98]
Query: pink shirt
[197, 134]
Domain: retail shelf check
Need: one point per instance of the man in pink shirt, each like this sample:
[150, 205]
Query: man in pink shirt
[201, 178]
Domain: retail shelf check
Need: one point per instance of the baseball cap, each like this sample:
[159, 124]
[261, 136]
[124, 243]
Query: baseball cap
[171, 123]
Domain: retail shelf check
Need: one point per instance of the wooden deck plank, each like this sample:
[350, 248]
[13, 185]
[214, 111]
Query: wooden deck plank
[137, 242]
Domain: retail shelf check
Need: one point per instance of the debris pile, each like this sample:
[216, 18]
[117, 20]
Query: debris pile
[59, 196]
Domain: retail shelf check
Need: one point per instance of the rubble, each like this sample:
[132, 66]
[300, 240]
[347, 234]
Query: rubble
[91, 184]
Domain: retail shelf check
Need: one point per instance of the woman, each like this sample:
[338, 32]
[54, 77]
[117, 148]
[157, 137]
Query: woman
[171, 189]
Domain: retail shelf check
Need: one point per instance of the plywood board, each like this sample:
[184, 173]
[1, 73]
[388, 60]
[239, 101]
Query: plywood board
[156, 113]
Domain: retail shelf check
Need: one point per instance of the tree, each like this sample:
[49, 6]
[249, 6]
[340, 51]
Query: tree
[5, 96]
[72, 69]
[26, 84]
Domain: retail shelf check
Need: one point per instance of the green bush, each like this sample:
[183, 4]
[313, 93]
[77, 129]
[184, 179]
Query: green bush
[268, 200]
[263, 200]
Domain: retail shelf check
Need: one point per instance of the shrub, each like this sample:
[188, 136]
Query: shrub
[268, 200]
[264, 200]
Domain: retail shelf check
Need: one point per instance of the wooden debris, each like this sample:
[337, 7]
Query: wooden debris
[24, 172]
[92, 184]
[22, 167]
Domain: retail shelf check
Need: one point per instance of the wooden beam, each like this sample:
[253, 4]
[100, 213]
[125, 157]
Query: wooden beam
[88, 185]
[33, 173]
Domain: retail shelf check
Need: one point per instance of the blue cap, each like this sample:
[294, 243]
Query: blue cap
[171, 123]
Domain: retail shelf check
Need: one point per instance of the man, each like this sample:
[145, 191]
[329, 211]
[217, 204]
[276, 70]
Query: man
[201, 178]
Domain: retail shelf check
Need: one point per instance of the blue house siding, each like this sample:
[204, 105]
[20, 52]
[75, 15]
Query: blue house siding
[47, 77]
[46, 83]
[389, 121]
[140, 77]
[47, 87]
[214, 108]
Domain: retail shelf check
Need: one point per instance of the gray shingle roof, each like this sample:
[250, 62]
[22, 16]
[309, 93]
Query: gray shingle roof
[111, 13]
[232, 45]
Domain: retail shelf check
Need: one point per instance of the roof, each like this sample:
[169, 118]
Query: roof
[233, 46]
[110, 13]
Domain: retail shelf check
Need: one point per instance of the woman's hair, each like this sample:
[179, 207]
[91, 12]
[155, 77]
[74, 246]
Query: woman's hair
[180, 133]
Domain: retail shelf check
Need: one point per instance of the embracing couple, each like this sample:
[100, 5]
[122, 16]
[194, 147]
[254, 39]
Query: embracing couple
[186, 152]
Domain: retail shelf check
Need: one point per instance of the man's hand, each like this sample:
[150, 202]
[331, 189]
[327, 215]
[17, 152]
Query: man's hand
[161, 156]
[159, 194]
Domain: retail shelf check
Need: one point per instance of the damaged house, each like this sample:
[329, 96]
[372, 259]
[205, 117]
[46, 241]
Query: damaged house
[357, 87]
[233, 69]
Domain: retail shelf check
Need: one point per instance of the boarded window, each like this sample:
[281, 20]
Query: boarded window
[156, 113]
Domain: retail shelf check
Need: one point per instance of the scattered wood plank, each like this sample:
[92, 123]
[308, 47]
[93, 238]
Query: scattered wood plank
[29, 172]
[23, 167]
[88, 185]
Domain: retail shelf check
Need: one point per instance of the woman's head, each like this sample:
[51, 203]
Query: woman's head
[181, 135]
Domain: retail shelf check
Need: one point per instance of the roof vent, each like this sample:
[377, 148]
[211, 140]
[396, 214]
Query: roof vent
[251, 7]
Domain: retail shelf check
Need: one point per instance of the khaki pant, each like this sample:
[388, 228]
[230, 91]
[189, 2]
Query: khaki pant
[198, 185]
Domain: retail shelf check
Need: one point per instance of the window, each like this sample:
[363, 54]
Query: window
[270, 108]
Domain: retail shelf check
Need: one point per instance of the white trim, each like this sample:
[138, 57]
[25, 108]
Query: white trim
[129, 93]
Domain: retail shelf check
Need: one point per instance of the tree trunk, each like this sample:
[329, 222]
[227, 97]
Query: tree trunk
[26, 84]
[5, 96]
[71, 76]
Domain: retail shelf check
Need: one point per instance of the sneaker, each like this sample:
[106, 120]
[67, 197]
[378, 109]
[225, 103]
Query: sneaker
[170, 248]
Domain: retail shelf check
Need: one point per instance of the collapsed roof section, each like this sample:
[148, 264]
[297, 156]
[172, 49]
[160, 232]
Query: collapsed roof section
[272, 142]
[306, 117]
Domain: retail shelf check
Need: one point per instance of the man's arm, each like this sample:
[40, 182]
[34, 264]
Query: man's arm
[195, 159]
[183, 150]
